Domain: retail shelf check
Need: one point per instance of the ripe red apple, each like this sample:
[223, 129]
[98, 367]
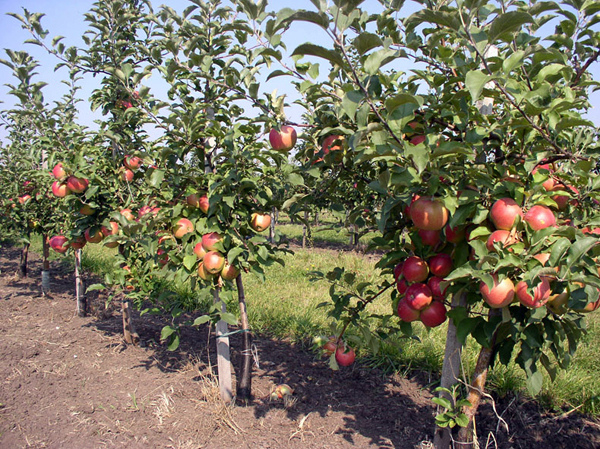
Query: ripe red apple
[93, 236]
[541, 293]
[550, 183]
[210, 240]
[434, 314]
[86, 210]
[501, 293]
[505, 213]
[132, 162]
[60, 189]
[213, 262]
[430, 238]
[345, 356]
[24, 198]
[428, 214]
[127, 214]
[330, 346]
[434, 284]
[329, 143]
[229, 272]
[59, 243]
[260, 222]
[283, 140]
[502, 236]
[127, 175]
[398, 270]
[77, 185]
[557, 303]
[114, 229]
[199, 250]
[193, 200]
[78, 242]
[415, 269]
[406, 312]
[203, 204]
[454, 235]
[416, 140]
[590, 307]
[401, 285]
[163, 257]
[59, 172]
[440, 265]
[204, 275]
[182, 227]
[540, 217]
[418, 296]
[145, 210]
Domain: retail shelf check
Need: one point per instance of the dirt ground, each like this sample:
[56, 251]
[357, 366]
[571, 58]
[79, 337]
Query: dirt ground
[70, 382]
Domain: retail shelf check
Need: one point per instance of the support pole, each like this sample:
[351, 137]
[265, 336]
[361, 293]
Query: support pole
[223, 354]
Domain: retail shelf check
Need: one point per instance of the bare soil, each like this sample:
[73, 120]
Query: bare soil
[71, 382]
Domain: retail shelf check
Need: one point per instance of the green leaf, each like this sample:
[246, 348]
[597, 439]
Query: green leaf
[201, 320]
[166, 332]
[316, 50]
[189, 261]
[578, 249]
[309, 16]
[351, 101]
[378, 59]
[95, 287]
[229, 318]
[367, 41]
[156, 178]
[507, 23]
[174, 343]
[395, 102]
[513, 61]
[475, 81]
[442, 402]
[535, 382]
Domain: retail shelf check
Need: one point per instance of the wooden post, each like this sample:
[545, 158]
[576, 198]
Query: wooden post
[304, 229]
[244, 386]
[79, 290]
[272, 227]
[223, 354]
[45, 265]
[129, 333]
[450, 370]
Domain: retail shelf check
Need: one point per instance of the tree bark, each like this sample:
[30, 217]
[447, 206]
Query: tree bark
[223, 355]
[79, 288]
[244, 386]
[130, 335]
[23, 263]
[304, 229]
[450, 370]
[45, 265]
[272, 226]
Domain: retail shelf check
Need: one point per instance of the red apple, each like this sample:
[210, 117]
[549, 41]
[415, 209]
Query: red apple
[86, 210]
[229, 272]
[502, 236]
[418, 296]
[163, 257]
[416, 140]
[540, 217]
[59, 172]
[505, 213]
[401, 285]
[193, 200]
[204, 275]
[59, 244]
[434, 284]
[93, 236]
[114, 229]
[550, 183]
[260, 222]
[398, 270]
[430, 238]
[127, 214]
[501, 293]
[541, 293]
[78, 242]
[210, 240]
[199, 250]
[415, 269]
[428, 214]
[24, 198]
[60, 189]
[406, 312]
[440, 265]
[454, 235]
[77, 185]
[330, 346]
[182, 227]
[127, 175]
[283, 140]
[132, 162]
[345, 356]
[213, 262]
[203, 204]
[434, 314]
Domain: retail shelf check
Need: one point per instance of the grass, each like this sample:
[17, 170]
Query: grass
[285, 306]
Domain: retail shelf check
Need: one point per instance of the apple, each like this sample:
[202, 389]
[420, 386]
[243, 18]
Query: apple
[60, 189]
[145, 210]
[454, 235]
[505, 213]
[260, 222]
[398, 270]
[502, 236]
[344, 356]
[24, 198]
[501, 293]
[127, 214]
[93, 236]
[78, 242]
[550, 183]
[199, 250]
[330, 346]
[182, 227]
[59, 244]
[428, 214]
[540, 217]
[430, 238]
[541, 293]
[283, 140]
[163, 257]
[542, 258]
[127, 175]
[406, 312]
[114, 229]
[557, 302]
[416, 140]
[415, 269]
[434, 314]
[210, 240]
[401, 285]
[418, 296]
[434, 284]
[203, 274]
[329, 143]
[132, 162]
[86, 210]
[440, 265]
[203, 204]
[213, 262]
[193, 200]
[590, 307]
[229, 272]
[59, 172]
[77, 185]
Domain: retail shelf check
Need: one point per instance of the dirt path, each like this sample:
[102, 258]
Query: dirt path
[69, 382]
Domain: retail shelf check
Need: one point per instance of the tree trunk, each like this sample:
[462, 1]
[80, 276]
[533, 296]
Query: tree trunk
[244, 386]
[272, 226]
[45, 265]
[130, 336]
[450, 370]
[476, 391]
[79, 288]
[23, 263]
[304, 229]
[223, 355]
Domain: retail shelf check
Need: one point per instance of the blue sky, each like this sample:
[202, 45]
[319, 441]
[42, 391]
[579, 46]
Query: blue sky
[65, 17]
